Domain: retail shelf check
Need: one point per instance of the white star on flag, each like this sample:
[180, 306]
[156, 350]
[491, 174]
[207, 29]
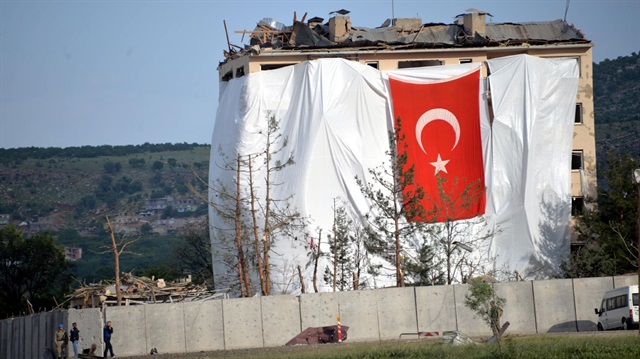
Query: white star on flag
[439, 164]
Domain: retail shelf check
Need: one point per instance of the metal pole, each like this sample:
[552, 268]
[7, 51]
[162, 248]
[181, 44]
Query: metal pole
[636, 179]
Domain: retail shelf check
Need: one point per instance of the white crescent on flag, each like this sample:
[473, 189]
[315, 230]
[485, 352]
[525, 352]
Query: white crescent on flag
[433, 115]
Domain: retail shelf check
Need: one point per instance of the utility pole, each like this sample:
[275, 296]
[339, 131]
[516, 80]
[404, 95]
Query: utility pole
[636, 177]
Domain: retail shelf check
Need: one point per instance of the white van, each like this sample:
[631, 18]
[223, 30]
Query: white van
[619, 309]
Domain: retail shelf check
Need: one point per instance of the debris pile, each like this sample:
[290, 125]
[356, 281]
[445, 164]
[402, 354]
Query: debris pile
[142, 290]
[469, 30]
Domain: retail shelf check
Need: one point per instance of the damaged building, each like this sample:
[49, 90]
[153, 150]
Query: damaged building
[328, 82]
[409, 42]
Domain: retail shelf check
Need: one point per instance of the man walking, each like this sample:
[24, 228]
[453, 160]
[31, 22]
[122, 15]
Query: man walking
[108, 330]
[74, 336]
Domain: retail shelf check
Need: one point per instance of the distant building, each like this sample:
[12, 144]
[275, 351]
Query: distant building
[72, 253]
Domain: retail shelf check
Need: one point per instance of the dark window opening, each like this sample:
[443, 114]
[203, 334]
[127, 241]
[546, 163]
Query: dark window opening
[466, 61]
[422, 63]
[577, 206]
[578, 118]
[240, 72]
[228, 76]
[576, 160]
[373, 64]
[266, 67]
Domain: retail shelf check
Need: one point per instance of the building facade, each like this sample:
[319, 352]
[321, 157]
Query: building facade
[405, 43]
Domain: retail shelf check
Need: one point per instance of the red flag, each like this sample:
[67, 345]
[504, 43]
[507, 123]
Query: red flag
[441, 126]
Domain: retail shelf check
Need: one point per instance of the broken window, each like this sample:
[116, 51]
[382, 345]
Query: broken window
[228, 76]
[266, 67]
[577, 206]
[578, 118]
[240, 71]
[419, 63]
[373, 64]
[576, 160]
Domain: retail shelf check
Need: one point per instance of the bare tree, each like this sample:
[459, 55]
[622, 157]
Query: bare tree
[229, 206]
[279, 216]
[461, 243]
[118, 247]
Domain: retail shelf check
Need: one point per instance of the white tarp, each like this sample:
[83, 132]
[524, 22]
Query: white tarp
[336, 115]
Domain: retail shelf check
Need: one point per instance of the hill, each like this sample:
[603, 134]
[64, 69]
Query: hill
[54, 188]
[142, 188]
[616, 86]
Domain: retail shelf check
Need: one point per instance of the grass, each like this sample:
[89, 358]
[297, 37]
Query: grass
[577, 345]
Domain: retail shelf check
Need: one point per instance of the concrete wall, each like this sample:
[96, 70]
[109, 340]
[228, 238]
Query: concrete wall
[555, 306]
[436, 309]
[588, 295]
[532, 307]
[520, 308]
[203, 327]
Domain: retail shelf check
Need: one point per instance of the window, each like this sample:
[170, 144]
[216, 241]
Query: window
[421, 63]
[265, 67]
[240, 71]
[577, 206]
[466, 61]
[227, 76]
[373, 64]
[576, 160]
[578, 118]
[634, 297]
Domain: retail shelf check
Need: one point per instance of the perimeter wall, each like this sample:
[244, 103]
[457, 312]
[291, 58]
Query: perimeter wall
[546, 306]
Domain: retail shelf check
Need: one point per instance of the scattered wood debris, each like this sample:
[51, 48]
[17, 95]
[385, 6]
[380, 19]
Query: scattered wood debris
[142, 290]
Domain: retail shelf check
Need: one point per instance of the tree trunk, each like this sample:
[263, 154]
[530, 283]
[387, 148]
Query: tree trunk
[116, 256]
[301, 279]
[335, 247]
[244, 273]
[315, 267]
[256, 237]
[266, 233]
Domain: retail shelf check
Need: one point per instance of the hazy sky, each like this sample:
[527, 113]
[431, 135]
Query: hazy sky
[76, 73]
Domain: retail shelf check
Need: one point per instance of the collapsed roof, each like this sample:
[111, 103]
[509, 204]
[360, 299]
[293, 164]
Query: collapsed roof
[470, 30]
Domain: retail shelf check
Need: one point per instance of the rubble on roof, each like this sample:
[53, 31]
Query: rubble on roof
[142, 290]
[270, 35]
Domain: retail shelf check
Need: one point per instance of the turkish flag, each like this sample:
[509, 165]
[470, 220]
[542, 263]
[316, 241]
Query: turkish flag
[439, 129]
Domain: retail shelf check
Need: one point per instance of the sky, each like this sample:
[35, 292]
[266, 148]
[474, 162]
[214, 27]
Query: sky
[118, 72]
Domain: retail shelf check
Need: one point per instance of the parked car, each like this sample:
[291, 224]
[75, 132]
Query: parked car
[619, 309]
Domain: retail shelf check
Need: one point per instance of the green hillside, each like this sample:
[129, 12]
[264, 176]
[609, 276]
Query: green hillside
[616, 86]
[68, 192]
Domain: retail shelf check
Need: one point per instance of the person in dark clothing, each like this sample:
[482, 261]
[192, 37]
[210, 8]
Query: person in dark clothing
[108, 330]
[74, 336]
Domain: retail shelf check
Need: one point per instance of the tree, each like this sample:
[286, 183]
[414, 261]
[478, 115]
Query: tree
[157, 166]
[32, 270]
[459, 243]
[607, 228]
[394, 198]
[117, 247]
[347, 251]
[483, 300]
[194, 256]
[277, 212]
[112, 167]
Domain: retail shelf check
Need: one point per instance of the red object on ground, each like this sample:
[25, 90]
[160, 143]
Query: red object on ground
[319, 335]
